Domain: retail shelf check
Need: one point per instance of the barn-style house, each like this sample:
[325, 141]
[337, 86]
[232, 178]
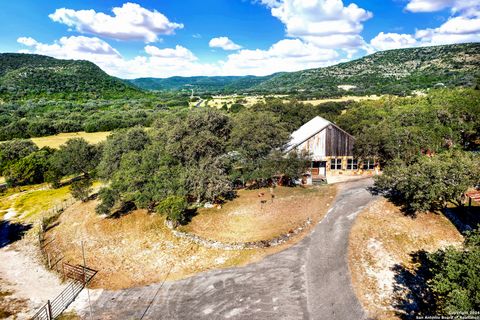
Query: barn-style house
[331, 151]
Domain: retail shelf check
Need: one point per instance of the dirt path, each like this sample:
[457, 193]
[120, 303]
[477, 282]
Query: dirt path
[27, 279]
[21, 274]
[310, 280]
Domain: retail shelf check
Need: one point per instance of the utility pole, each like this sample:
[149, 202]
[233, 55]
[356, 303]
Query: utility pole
[85, 281]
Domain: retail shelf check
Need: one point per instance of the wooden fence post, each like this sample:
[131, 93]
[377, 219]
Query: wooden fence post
[49, 310]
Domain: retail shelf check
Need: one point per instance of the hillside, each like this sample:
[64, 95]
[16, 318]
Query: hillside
[388, 72]
[210, 84]
[394, 71]
[28, 75]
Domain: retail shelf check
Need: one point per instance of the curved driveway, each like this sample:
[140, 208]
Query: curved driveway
[310, 280]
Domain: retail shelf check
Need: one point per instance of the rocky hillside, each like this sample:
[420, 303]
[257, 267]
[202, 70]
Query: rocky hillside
[204, 84]
[389, 72]
[394, 71]
[30, 75]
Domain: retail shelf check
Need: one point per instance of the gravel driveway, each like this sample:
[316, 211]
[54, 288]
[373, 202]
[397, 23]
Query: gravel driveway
[310, 280]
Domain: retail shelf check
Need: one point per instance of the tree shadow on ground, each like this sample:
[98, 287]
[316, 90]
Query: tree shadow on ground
[463, 218]
[125, 209]
[11, 232]
[394, 198]
[188, 216]
[411, 295]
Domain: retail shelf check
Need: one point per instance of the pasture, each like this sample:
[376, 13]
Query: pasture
[57, 140]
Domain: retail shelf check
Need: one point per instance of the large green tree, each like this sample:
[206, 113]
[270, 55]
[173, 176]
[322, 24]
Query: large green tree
[430, 183]
[76, 157]
[31, 169]
[144, 178]
[118, 144]
[14, 150]
[455, 281]
[257, 141]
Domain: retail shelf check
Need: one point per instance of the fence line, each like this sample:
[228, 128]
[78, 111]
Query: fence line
[80, 277]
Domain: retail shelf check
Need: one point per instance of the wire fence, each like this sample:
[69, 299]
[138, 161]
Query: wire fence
[80, 276]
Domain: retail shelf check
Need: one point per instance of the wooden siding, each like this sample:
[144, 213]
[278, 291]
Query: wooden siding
[330, 142]
[315, 145]
[338, 142]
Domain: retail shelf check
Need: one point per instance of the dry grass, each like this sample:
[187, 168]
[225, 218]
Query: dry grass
[71, 315]
[137, 249]
[219, 101]
[57, 140]
[342, 99]
[9, 305]
[383, 237]
[247, 219]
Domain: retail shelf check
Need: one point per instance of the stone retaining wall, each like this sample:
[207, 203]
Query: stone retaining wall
[237, 245]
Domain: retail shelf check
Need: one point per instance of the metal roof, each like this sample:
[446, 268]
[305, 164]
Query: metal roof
[306, 131]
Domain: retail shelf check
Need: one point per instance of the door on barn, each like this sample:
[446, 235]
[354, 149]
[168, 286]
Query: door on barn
[319, 168]
[323, 168]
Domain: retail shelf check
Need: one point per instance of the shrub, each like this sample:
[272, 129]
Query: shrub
[28, 170]
[456, 277]
[173, 207]
[108, 199]
[81, 189]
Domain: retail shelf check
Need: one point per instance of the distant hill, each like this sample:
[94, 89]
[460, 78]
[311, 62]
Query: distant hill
[200, 83]
[25, 75]
[388, 72]
[395, 71]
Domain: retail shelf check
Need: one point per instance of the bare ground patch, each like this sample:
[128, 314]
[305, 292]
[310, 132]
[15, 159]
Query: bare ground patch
[138, 249]
[9, 304]
[382, 238]
[248, 219]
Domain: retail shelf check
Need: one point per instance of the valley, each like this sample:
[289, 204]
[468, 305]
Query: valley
[243, 196]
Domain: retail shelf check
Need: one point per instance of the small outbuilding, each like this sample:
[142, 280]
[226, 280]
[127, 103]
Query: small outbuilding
[331, 151]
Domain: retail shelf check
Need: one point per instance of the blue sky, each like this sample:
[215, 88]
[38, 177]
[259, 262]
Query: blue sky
[161, 38]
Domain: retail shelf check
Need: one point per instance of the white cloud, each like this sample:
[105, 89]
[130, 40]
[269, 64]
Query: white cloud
[387, 41]
[178, 61]
[462, 26]
[321, 21]
[224, 43]
[428, 5]
[129, 22]
[285, 55]
[72, 48]
[178, 53]
[437, 5]
[455, 30]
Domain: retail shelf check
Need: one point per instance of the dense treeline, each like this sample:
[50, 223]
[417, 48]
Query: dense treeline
[400, 128]
[426, 145]
[202, 154]
[35, 118]
[194, 157]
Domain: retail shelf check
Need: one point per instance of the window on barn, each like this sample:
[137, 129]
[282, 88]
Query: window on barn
[336, 164]
[369, 164]
[352, 164]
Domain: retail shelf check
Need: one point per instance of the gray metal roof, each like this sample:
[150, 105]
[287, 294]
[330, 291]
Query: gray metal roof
[306, 131]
